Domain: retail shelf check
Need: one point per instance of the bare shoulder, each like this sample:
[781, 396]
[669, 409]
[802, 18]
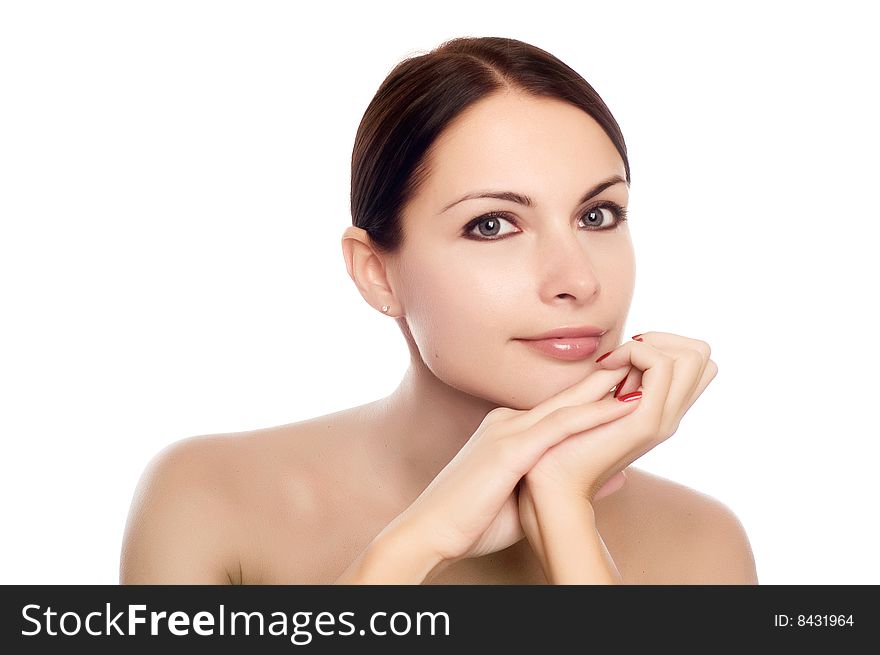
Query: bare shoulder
[301, 510]
[180, 527]
[682, 536]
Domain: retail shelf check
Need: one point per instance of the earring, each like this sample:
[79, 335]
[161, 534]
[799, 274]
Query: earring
[385, 308]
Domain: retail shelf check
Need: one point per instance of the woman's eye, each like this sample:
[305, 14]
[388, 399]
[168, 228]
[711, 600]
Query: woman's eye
[593, 217]
[487, 226]
[600, 218]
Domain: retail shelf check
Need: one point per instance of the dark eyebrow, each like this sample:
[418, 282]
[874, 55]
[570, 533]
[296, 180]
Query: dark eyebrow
[525, 200]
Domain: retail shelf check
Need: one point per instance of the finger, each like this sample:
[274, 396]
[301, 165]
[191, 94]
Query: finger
[690, 360]
[529, 445]
[592, 388]
[670, 341]
[709, 373]
[631, 382]
[656, 367]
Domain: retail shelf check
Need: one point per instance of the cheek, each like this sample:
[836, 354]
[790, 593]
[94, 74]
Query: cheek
[462, 319]
[462, 326]
[616, 269]
[458, 313]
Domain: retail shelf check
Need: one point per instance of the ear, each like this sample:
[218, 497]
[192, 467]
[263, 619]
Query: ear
[366, 268]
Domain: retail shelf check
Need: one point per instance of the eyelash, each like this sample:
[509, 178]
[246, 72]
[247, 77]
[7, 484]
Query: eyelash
[619, 211]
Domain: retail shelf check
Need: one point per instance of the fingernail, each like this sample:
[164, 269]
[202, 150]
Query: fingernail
[604, 356]
[635, 395]
[620, 386]
[637, 336]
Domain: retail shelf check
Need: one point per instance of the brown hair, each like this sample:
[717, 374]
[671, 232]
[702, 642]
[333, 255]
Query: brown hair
[423, 94]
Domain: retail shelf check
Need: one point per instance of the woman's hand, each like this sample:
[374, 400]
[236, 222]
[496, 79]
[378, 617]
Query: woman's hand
[671, 370]
[470, 509]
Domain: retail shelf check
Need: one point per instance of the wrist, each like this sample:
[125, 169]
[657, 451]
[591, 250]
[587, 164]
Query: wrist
[415, 561]
[555, 506]
[548, 487]
[573, 551]
[544, 490]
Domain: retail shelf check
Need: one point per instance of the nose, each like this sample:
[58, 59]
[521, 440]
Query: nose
[565, 268]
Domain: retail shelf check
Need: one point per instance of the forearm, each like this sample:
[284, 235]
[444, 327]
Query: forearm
[569, 545]
[395, 556]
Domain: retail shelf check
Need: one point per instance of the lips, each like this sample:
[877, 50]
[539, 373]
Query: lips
[575, 331]
[567, 349]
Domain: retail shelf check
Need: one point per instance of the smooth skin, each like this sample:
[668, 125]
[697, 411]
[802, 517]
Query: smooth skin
[406, 488]
[564, 450]
[671, 374]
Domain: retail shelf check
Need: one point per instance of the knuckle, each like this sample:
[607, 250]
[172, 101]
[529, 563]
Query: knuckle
[499, 414]
[666, 363]
[645, 430]
[554, 415]
[561, 412]
[712, 367]
[563, 415]
[493, 433]
[695, 358]
[704, 348]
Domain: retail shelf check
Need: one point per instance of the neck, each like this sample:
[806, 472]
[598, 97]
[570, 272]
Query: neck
[421, 426]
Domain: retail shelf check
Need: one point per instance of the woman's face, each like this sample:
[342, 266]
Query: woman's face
[554, 264]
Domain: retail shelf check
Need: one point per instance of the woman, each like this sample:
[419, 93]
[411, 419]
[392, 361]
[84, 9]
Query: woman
[489, 193]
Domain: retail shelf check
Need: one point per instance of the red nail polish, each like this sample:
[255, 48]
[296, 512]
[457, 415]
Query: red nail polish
[604, 356]
[635, 395]
[620, 386]
[637, 336]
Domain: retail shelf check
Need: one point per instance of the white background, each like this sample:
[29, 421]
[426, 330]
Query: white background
[174, 181]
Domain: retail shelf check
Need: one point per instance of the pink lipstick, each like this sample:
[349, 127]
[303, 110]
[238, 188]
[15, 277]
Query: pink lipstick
[567, 343]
